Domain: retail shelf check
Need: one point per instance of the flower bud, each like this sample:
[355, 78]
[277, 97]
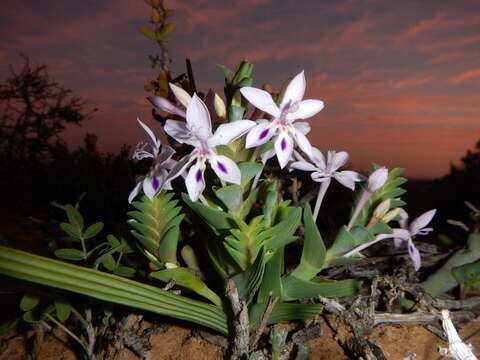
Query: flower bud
[220, 108]
[382, 209]
[377, 179]
[182, 96]
[392, 214]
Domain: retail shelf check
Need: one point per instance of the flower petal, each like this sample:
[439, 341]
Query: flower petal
[194, 181]
[306, 109]
[400, 233]
[152, 185]
[295, 90]
[182, 96]
[347, 178]
[165, 154]
[179, 168]
[320, 176]
[198, 118]
[403, 218]
[421, 221]
[134, 192]
[267, 155]
[261, 100]
[303, 165]
[225, 168]
[152, 139]
[260, 134]
[178, 130]
[226, 133]
[166, 105]
[302, 126]
[377, 179]
[414, 255]
[284, 148]
[318, 158]
[338, 160]
[302, 142]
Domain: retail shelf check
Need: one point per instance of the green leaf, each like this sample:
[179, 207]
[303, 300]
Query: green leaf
[218, 220]
[74, 216]
[108, 261]
[227, 73]
[313, 253]
[235, 113]
[70, 254]
[295, 289]
[93, 230]
[249, 281]
[187, 278]
[108, 287]
[281, 234]
[125, 271]
[148, 32]
[63, 309]
[107, 313]
[248, 171]
[231, 196]
[291, 311]
[112, 240]
[271, 283]
[71, 230]
[29, 301]
[9, 325]
[466, 272]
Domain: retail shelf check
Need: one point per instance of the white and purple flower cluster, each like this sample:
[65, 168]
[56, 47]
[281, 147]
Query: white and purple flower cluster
[281, 128]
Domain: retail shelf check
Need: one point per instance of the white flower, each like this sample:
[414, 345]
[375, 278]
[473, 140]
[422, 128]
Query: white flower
[377, 179]
[166, 105]
[197, 132]
[282, 126]
[325, 170]
[158, 177]
[404, 235]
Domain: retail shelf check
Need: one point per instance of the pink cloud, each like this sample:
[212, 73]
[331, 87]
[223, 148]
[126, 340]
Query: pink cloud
[465, 76]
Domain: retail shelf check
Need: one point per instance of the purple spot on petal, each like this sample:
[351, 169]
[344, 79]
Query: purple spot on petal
[222, 167]
[263, 134]
[283, 144]
[155, 184]
[198, 176]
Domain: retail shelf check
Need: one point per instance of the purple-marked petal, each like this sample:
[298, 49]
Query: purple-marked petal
[303, 165]
[420, 222]
[166, 105]
[306, 109]
[302, 126]
[284, 149]
[319, 176]
[133, 194]
[318, 158]
[178, 130]
[226, 133]
[261, 100]
[338, 160]
[225, 168]
[194, 181]
[151, 186]
[257, 135]
[182, 96]
[295, 90]
[198, 118]
[347, 178]
[377, 179]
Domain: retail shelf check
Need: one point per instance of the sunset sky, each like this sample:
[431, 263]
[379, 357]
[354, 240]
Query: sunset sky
[400, 80]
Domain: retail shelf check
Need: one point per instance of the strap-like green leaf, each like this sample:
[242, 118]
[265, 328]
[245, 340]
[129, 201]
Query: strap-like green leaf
[108, 287]
[295, 289]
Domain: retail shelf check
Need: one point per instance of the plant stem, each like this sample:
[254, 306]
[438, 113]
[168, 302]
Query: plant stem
[67, 331]
[240, 322]
[321, 193]
[361, 203]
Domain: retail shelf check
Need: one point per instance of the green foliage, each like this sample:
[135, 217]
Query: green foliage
[156, 227]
